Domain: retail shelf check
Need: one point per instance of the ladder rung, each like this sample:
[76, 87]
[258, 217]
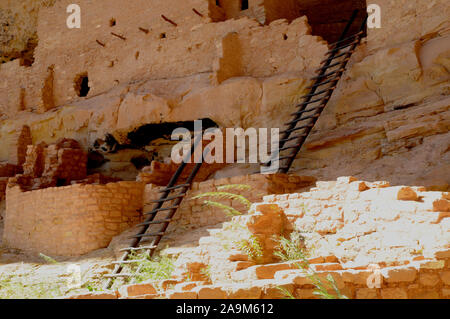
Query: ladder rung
[342, 47]
[293, 138]
[290, 147]
[167, 199]
[155, 211]
[320, 92]
[328, 74]
[148, 235]
[308, 117]
[128, 262]
[138, 248]
[347, 38]
[174, 187]
[323, 83]
[117, 275]
[335, 64]
[303, 119]
[299, 128]
[326, 67]
[307, 111]
[336, 56]
[309, 102]
[155, 222]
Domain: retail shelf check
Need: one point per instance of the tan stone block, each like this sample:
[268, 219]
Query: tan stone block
[168, 284]
[446, 293]
[96, 296]
[346, 179]
[274, 292]
[268, 271]
[137, 290]
[183, 295]
[392, 275]
[328, 267]
[394, 293]
[317, 260]
[331, 259]
[424, 293]
[357, 277]
[445, 277]
[357, 187]
[238, 257]
[429, 279]
[245, 293]
[441, 205]
[186, 286]
[241, 265]
[210, 292]
[407, 194]
[439, 264]
[112, 226]
[367, 293]
[305, 294]
[146, 297]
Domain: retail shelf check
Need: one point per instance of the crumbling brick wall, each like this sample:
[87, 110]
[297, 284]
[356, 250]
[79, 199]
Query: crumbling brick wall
[55, 165]
[3, 183]
[71, 220]
[18, 146]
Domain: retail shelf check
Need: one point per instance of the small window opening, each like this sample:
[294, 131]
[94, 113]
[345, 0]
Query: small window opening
[61, 182]
[244, 5]
[112, 22]
[140, 162]
[218, 3]
[82, 85]
[162, 36]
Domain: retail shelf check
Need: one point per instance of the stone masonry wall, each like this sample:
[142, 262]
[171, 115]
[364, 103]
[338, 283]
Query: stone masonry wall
[416, 279]
[193, 214]
[376, 241]
[71, 220]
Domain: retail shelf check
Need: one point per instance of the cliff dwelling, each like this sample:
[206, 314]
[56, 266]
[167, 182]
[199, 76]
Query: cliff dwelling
[88, 178]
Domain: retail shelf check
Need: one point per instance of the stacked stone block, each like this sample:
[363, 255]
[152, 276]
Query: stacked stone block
[54, 165]
[194, 214]
[71, 220]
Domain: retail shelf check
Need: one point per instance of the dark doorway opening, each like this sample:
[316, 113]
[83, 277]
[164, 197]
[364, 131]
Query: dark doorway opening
[81, 85]
[244, 5]
[328, 18]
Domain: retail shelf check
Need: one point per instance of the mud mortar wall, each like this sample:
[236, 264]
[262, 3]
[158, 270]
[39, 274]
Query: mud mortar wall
[72, 220]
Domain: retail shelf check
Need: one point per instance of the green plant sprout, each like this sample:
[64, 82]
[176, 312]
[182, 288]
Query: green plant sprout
[223, 193]
[292, 249]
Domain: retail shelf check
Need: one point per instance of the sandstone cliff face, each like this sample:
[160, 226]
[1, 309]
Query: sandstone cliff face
[388, 117]
[390, 114]
[18, 29]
